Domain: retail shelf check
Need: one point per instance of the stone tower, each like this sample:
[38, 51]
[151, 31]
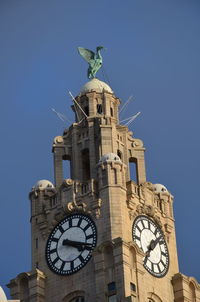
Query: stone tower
[100, 236]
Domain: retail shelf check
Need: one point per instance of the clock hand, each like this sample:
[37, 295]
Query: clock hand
[153, 243]
[78, 244]
[66, 241]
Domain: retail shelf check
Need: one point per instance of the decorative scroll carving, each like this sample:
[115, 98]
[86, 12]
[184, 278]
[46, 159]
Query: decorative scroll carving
[145, 209]
[67, 182]
[58, 140]
[73, 206]
[137, 143]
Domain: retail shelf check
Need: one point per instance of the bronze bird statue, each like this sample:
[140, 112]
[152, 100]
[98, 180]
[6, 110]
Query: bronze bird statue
[94, 60]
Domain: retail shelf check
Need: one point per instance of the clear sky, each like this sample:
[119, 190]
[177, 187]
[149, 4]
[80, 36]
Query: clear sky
[152, 52]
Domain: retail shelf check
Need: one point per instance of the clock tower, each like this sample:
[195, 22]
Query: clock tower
[99, 235]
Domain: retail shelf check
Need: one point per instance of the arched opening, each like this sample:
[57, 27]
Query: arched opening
[78, 299]
[133, 169]
[99, 109]
[119, 153]
[66, 167]
[153, 298]
[85, 155]
[76, 296]
[111, 111]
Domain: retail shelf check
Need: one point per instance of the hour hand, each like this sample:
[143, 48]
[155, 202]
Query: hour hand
[79, 245]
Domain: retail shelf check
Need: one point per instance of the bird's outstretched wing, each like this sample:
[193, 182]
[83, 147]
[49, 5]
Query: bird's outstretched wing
[86, 54]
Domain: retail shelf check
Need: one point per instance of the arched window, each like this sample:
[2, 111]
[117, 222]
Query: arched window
[111, 111]
[76, 296]
[78, 299]
[133, 169]
[153, 298]
[99, 109]
[66, 166]
[119, 153]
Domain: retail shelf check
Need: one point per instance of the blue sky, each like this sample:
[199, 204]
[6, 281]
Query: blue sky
[152, 52]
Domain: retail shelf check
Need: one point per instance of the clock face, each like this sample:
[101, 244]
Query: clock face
[150, 239]
[70, 244]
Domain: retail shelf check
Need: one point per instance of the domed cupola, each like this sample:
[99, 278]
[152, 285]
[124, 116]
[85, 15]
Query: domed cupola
[110, 157]
[43, 185]
[97, 86]
[96, 99]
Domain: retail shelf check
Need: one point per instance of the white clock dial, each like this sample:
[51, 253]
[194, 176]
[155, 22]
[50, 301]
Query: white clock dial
[150, 239]
[70, 244]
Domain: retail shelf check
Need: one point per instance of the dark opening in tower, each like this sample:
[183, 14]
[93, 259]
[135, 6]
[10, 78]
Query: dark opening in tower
[133, 168]
[85, 154]
[66, 167]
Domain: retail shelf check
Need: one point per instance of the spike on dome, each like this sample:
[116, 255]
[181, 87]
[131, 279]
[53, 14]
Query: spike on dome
[97, 86]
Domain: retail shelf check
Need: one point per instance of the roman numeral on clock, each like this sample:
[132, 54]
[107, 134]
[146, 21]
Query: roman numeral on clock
[136, 237]
[72, 265]
[70, 223]
[81, 258]
[61, 229]
[86, 227]
[55, 260]
[143, 224]
[54, 239]
[164, 254]
[52, 251]
[79, 222]
[62, 266]
[89, 236]
[137, 227]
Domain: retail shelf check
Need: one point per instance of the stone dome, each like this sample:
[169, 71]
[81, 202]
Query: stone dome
[95, 85]
[158, 188]
[2, 295]
[43, 184]
[110, 157]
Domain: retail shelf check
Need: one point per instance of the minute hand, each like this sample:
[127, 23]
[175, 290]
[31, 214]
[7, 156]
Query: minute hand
[153, 243]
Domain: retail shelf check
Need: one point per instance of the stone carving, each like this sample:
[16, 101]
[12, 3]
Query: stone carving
[145, 209]
[146, 191]
[73, 206]
[96, 205]
[58, 140]
[67, 182]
